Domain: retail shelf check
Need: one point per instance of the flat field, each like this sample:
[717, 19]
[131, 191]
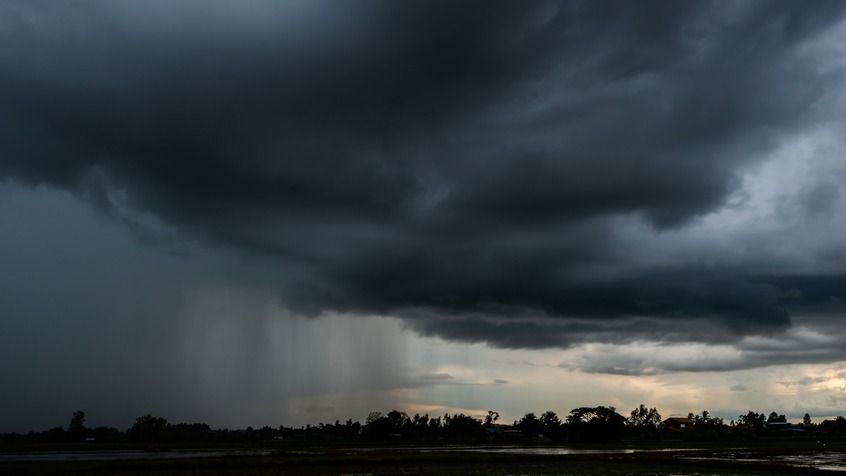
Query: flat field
[312, 460]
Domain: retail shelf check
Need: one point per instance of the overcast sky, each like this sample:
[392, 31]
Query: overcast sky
[265, 212]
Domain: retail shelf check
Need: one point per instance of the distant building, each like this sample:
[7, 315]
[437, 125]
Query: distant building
[834, 426]
[779, 425]
[678, 423]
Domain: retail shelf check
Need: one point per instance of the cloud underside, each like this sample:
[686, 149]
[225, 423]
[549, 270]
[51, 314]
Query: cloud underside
[486, 172]
[815, 342]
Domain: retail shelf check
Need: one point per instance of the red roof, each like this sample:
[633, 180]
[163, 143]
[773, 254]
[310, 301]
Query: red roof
[679, 420]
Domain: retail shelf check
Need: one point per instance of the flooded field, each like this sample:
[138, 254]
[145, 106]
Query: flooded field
[518, 450]
[125, 455]
[423, 460]
[822, 460]
[130, 455]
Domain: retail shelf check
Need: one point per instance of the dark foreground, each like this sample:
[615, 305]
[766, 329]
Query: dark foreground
[439, 460]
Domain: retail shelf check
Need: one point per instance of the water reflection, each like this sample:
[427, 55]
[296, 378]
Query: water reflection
[824, 460]
[518, 450]
[127, 455]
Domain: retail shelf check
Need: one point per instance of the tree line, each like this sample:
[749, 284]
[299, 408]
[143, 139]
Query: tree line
[584, 424]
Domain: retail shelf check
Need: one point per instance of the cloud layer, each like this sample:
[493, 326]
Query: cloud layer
[525, 176]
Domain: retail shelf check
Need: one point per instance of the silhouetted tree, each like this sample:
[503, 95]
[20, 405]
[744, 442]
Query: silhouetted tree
[776, 418]
[106, 434]
[418, 426]
[491, 418]
[529, 425]
[582, 424]
[55, 435]
[148, 429]
[551, 424]
[550, 420]
[644, 417]
[372, 416]
[644, 421]
[191, 432]
[836, 427]
[392, 425]
[435, 425]
[397, 419]
[462, 426]
[595, 424]
[76, 427]
[754, 420]
[707, 427]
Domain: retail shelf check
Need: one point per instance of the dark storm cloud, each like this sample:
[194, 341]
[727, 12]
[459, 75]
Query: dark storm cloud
[811, 340]
[714, 310]
[459, 158]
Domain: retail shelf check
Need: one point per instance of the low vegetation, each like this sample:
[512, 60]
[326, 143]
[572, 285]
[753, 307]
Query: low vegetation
[582, 425]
